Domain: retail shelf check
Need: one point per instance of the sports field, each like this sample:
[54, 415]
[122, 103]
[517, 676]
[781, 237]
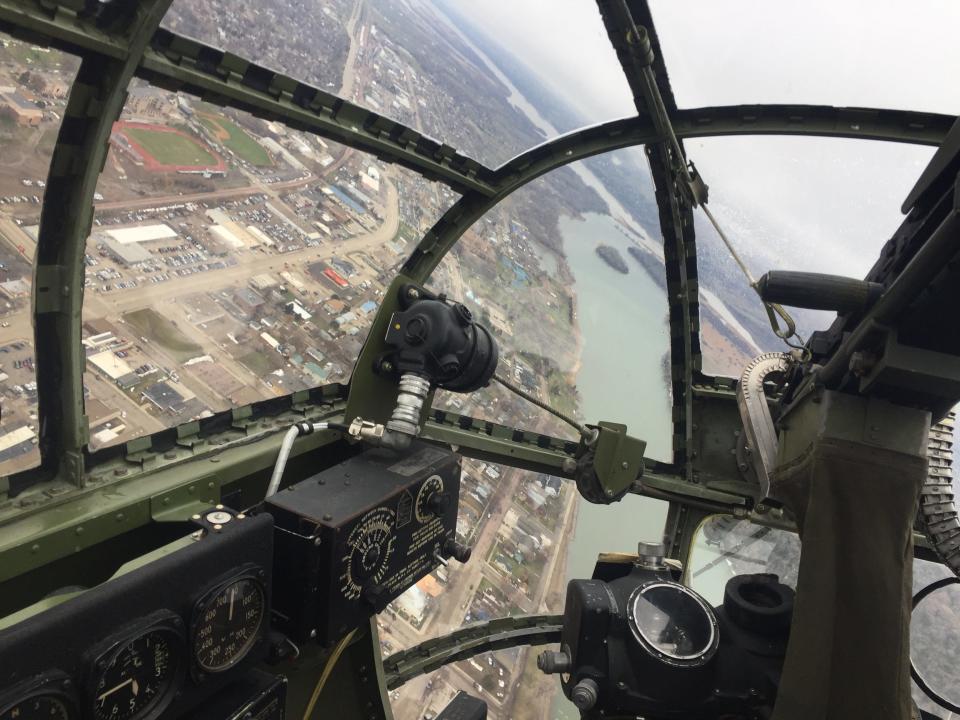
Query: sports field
[234, 138]
[171, 148]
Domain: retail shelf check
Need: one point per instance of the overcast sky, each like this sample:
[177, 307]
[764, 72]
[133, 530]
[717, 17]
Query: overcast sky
[876, 53]
[825, 204]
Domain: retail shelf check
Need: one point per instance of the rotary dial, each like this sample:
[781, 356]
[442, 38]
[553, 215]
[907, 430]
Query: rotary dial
[429, 490]
[369, 547]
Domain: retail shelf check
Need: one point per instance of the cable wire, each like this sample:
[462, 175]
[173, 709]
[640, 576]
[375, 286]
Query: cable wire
[325, 674]
[663, 125]
[295, 431]
[541, 404]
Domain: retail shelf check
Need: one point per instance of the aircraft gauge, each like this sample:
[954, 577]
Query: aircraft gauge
[227, 623]
[137, 678]
[44, 706]
[47, 697]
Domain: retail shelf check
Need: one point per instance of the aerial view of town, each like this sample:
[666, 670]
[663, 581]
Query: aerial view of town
[233, 259]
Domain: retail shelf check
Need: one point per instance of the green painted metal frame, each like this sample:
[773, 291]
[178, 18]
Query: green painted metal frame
[96, 100]
[115, 51]
[137, 489]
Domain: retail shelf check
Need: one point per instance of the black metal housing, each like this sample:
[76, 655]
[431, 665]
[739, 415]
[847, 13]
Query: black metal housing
[355, 536]
[82, 627]
[441, 341]
[736, 677]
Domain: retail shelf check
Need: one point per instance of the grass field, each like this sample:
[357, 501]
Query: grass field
[258, 363]
[234, 138]
[156, 328]
[171, 148]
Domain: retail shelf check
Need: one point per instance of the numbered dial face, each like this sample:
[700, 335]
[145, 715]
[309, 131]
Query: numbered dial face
[430, 489]
[137, 680]
[39, 707]
[369, 546]
[228, 623]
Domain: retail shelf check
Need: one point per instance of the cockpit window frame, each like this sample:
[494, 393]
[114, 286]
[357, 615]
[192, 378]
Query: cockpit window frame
[128, 42]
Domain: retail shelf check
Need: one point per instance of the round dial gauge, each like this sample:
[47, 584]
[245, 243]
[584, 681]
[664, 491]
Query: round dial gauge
[432, 487]
[673, 623]
[228, 621]
[137, 679]
[369, 547]
[44, 706]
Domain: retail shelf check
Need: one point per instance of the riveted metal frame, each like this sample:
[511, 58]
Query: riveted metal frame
[95, 102]
[120, 40]
[116, 46]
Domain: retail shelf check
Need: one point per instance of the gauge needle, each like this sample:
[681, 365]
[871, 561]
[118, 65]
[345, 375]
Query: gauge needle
[233, 592]
[111, 691]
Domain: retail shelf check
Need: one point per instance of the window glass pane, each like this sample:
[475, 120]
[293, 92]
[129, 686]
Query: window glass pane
[232, 260]
[567, 275]
[439, 67]
[725, 546]
[860, 53]
[589, 340]
[811, 204]
[34, 84]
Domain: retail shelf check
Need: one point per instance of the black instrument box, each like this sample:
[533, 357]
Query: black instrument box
[352, 538]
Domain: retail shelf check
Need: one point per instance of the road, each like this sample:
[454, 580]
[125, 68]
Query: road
[165, 200]
[117, 302]
[349, 73]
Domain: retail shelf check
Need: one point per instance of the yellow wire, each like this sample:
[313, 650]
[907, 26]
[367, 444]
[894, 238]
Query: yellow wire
[327, 669]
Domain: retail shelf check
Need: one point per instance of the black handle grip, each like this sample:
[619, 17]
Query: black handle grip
[815, 291]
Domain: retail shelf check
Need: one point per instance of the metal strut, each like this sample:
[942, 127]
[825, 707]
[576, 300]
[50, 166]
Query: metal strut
[691, 182]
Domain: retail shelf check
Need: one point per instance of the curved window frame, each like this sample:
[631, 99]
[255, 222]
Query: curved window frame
[116, 44]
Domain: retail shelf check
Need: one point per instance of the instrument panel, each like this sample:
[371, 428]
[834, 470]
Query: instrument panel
[156, 641]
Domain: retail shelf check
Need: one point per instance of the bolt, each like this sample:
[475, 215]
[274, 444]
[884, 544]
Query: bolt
[624, 465]
[119, 517]
[313, 633]
[387, 367]
[609, 492]
[79, 531]
[569, 465]
[194, 517]
[241, 516]
[413, 293]
[317, 541]
[328, 517]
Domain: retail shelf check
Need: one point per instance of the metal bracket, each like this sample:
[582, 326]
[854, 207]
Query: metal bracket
[50, 291]
[609, 468]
